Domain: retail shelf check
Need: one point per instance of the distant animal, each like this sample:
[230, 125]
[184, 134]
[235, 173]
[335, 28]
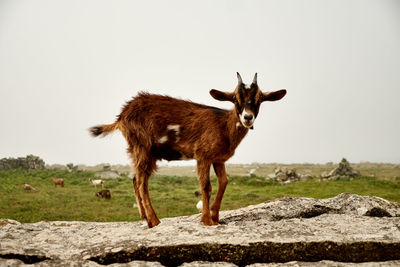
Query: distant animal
[97, 182]
[29, 187]
[252, 173]
[197, 193]
[58, 181]
[160, 127]
[105, 193]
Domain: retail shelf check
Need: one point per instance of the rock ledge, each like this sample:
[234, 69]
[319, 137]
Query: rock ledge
[346, 228]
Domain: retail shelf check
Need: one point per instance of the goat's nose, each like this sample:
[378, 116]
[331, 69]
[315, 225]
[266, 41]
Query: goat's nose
[248, 117]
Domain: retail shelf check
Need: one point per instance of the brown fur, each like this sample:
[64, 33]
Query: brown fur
[58, 181]
[161, 127]
[105, 193]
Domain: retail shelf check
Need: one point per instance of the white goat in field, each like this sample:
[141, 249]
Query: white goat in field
[29, 187]
[97, 182]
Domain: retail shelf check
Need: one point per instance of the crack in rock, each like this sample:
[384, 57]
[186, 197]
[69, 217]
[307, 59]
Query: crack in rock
[377, 212]
[27, 259]
[260, 252]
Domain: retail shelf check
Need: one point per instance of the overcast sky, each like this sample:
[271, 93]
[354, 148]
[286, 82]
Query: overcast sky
[68, 65]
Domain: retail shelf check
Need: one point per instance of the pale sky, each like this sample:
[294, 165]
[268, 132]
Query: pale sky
[68, 65]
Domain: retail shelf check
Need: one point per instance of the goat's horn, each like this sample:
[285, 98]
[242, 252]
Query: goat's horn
[255, 78]
[239, 78]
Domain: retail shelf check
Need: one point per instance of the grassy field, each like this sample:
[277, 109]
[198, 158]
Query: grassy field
[171, 195]
[379, 170]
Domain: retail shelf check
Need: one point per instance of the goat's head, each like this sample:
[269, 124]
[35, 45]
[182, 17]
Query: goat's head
[247, 99]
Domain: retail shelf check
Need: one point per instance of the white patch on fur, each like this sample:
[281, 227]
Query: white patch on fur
[238, 124]
[247, 86]
[163, 139]
[174, 127]
[199, 205]
[243, 121]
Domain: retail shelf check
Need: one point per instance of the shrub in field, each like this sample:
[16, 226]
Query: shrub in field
[29, 162]
[71, 167]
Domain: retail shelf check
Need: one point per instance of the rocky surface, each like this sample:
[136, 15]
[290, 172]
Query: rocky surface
[342, 171]
[291, 231]
[287, 176]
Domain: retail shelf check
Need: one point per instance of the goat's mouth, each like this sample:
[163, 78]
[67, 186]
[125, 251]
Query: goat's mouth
[247, 119]
[247, 124]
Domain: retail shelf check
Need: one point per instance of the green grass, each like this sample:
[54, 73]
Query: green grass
[171, 195]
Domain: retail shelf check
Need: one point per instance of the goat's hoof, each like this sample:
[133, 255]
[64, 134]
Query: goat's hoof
[215, 219]
[153, 223]
[209, 222]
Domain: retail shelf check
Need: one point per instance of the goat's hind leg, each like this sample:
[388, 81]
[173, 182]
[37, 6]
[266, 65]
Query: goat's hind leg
[138, 198]
[143, 173]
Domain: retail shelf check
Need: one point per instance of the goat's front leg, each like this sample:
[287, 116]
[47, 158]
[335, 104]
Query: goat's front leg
[203, 170]
[219, 169]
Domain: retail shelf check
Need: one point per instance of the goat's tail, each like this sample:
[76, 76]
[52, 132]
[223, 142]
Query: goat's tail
[104, 129]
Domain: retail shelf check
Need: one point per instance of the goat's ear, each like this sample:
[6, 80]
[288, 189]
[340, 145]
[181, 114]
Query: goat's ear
[273, 96]
[221, 96]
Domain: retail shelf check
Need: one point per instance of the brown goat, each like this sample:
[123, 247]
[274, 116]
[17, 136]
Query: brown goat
[58, 181]
[105, 193]
[160, 127]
